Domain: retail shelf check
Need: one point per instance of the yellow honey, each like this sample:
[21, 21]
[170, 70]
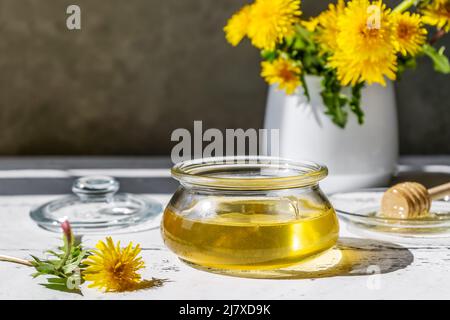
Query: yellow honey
[252, 234]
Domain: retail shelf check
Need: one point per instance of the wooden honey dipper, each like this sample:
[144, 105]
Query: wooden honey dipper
[409, 200]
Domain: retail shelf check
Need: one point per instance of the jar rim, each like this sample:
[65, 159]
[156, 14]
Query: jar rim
[249, 173]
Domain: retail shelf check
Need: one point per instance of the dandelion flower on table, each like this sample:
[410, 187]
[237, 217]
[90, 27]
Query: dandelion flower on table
[365, 50]
[271, 21]
[437, 14]
[237, 26]
[112, 268]
[284, 72]
[409, 34]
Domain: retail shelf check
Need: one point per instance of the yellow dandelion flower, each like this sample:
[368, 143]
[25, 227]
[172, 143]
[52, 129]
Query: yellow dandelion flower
[437, 14]
[328, 27]
[271, 21]
[365, 50]
[283, 72]
[112, 268]
[237, 26]
[409, 35]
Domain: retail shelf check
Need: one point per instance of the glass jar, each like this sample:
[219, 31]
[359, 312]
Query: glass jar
[248, 212]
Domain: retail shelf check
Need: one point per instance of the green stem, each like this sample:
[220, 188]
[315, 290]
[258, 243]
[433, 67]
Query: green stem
[404, 5]
[68, 241]
[305, 87]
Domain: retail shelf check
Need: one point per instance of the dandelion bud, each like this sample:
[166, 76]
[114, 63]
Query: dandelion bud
[67, 230]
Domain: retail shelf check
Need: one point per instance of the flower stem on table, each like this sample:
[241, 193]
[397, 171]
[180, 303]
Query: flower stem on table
[16, 260]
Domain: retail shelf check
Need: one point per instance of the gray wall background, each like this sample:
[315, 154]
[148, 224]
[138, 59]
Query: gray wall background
[138, 69]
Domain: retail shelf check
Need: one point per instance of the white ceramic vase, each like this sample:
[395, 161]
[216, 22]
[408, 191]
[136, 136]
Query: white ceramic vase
[358, 156]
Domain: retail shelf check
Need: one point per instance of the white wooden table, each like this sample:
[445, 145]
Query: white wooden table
[378, 270]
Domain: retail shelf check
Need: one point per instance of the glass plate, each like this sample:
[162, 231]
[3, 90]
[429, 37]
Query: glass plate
[359, 208]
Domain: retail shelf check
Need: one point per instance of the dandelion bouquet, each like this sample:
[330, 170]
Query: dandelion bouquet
[351, 44]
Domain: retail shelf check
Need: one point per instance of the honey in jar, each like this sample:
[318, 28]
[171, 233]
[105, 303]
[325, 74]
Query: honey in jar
[261, 227]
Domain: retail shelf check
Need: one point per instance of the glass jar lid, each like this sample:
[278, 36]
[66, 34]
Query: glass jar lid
[249, 173]
[96, 206]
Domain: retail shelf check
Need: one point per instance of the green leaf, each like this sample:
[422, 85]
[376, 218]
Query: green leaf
[45, 267]
[61, 287]
[333, 100]
[355, 102]
[70, 268]
[53, 253]
[299, 44]
[82, 254]
[56, 281]
[304, 34]
[268, 55]
[440, 61]
[37, 274]
[36, 259]
[404, 63]
[63, 265]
